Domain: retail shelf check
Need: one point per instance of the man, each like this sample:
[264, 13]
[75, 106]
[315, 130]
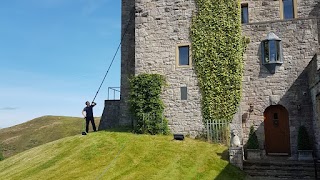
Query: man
[88, 115]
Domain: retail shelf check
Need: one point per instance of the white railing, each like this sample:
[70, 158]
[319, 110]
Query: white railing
[115, 91]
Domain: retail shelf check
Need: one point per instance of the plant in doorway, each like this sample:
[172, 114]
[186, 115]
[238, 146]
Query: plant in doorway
[304, 145]
[253, 151]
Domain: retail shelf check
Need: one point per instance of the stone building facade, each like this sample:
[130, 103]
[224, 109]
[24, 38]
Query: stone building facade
[286, 98]
[288, 87]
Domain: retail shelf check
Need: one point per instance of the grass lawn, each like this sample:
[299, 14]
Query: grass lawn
[39, 131]
[114, 155]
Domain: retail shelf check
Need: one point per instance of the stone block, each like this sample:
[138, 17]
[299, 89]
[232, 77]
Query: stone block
[236, 156]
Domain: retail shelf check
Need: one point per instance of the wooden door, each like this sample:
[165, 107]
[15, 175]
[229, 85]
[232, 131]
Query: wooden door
[276, 128]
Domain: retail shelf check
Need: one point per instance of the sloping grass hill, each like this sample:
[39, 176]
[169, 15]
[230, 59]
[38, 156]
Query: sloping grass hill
[39, 131]
[114, 155]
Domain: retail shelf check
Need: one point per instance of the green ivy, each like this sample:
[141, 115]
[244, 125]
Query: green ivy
[146, 105]
[217, 52]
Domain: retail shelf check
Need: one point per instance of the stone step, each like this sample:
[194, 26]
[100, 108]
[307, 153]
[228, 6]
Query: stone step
[256, 175]
[269, 170]
[273, 167]
[277, 178]
[280, 172]
[279, 163]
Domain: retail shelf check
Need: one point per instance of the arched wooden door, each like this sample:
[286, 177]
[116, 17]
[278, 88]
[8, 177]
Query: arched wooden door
[276, 128]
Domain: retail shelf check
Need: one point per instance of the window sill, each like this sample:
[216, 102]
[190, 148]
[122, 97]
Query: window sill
[272, 62]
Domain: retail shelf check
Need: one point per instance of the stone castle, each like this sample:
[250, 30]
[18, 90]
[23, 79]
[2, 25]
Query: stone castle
[281, 89]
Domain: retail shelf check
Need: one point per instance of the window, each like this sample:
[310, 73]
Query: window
[288, 9]
[184, 93]
[244, 13]
[275, 120]
[183, 55]
[274, 50]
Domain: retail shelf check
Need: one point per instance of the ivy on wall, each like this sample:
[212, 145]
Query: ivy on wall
[146, 105]
[217, 52]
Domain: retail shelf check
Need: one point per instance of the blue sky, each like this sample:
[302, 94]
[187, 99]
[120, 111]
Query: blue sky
[53, 56]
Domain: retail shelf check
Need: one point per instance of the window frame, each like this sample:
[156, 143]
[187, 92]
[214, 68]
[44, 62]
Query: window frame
[178, 55]
[295, 9]
[247, 6]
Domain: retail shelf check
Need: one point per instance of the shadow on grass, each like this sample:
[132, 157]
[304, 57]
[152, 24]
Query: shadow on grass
[230, 171]
[224, 155]
[119, 129]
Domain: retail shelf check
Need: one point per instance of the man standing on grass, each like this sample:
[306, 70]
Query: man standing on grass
[88, 115]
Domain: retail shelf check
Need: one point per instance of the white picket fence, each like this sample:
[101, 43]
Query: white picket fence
[218, 131]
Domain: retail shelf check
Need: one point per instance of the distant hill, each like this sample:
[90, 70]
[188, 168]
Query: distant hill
[114, 155]
[39, 131]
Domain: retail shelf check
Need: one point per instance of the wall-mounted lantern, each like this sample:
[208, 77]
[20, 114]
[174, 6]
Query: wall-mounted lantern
[271, 52]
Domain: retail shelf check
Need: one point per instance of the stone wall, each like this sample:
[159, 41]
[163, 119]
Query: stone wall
[314, 85]
[263, 10]
[110, 116]
[269, 10]
[289, 85]
[127, 57]
[160, 26]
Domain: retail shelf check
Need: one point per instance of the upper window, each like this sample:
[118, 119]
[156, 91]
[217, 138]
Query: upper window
[183, 55]
[288, 9]
[244, 13]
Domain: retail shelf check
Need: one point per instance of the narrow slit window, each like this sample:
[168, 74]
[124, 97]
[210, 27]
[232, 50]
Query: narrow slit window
[184, 93]
[244, 13]
[288, 9]
[275, 120]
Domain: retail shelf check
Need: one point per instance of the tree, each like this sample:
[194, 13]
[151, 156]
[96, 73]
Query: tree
[253, 139]
[303, 139]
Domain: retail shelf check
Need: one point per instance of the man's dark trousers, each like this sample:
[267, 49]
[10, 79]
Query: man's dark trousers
[88, 119]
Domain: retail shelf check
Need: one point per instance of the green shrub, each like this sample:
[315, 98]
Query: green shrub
[253, 139]
[1, 155]
[217, 52]
[303, 139]
[146, 105]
